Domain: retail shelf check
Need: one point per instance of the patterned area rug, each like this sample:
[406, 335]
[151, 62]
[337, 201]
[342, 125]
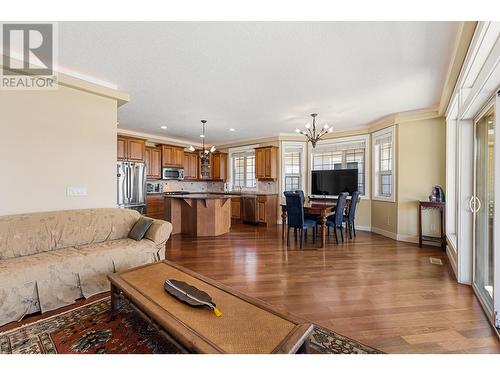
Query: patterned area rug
[89, 329]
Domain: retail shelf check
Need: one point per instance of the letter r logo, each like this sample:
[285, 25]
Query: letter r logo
[27, 48]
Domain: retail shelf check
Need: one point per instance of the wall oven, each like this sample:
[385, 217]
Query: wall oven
[173, 173]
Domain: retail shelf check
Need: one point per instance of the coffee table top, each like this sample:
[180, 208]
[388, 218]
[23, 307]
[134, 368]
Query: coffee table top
[247, 325]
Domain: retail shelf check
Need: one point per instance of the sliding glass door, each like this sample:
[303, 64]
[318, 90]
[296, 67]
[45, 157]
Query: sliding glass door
[482, 205]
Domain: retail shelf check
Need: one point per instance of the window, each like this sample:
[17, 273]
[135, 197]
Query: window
[293, 165]
[343, 154]
[383, 149]
[243, 175]
[292, 170]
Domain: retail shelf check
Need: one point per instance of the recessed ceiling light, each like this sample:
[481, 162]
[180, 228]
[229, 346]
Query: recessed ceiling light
[202, 135]
[231, 129]
[163, 127]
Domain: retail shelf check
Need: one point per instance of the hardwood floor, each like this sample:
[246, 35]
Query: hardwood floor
[373, 289]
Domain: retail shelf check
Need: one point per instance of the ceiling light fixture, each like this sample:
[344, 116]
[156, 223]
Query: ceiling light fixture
[163, 127]
[231, 129]
[205, 153]
[310, 132]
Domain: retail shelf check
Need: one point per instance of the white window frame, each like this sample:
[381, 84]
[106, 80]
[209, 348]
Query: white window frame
[376, 165]
[234, 152]
[287, 146]
[324, 145]
[452, 175]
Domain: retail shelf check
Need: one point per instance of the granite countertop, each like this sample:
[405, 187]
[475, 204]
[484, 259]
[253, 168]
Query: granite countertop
[199, 196]
[222, 193]
[248, 193]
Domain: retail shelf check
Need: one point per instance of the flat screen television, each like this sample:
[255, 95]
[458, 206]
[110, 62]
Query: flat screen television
[334, 182]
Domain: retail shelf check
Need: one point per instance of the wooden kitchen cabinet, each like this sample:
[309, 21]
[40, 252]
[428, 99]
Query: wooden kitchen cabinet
[153, 163]
[179, 156]
[266, 162]
[121, 148]
[268, 209]
[132, 149]
[155, 206]
[236, 208]
[172, 156]
[190, 166]
[262, 209]
[219, 166]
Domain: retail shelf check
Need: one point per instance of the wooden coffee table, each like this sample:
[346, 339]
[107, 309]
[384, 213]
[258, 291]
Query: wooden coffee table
[247, 325]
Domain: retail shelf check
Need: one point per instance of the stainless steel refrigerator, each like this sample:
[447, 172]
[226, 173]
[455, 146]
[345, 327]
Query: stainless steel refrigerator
[131, 185]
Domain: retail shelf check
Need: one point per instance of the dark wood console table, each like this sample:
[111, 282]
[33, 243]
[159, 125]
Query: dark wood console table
[424, 205]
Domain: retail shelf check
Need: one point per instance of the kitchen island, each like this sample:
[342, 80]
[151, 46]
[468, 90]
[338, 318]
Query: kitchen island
[199, 215]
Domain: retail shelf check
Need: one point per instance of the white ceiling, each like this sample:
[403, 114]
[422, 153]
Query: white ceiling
[261, 78]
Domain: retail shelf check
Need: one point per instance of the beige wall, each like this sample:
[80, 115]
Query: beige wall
[421, 165]
[384, 216]
[50, 140]
[364, 214]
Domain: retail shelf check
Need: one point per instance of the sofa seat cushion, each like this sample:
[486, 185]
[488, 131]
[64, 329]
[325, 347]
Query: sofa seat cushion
[43, 281]
[99, 259]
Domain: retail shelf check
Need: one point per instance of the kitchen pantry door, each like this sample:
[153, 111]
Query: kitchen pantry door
[482, 203]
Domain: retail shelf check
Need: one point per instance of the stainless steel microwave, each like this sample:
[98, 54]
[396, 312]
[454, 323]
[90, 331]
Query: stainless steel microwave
[173, 173]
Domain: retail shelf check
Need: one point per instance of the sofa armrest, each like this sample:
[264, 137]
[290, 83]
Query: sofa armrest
[159, 233]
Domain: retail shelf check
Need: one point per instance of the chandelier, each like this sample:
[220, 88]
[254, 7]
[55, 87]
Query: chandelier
[311, 134]
[205, 153]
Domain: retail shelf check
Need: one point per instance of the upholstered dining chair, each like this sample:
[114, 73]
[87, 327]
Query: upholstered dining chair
[351, 215]
[335, 221]
[307, 216]
[295, 216]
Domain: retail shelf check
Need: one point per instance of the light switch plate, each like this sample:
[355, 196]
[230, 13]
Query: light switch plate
[76, 191]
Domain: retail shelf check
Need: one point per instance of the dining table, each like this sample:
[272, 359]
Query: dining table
[323, 209]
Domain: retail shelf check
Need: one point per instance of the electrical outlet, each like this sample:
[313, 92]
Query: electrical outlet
[76, 191]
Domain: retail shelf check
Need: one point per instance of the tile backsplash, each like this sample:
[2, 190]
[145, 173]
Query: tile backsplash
[268, 187]
[194, 186]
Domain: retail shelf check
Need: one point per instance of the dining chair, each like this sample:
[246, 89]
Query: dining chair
[351, 215]
[295, 216]
[335, 221]
[307, 216]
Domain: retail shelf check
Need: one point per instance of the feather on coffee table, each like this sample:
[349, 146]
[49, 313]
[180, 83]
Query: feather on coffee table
[247, 325]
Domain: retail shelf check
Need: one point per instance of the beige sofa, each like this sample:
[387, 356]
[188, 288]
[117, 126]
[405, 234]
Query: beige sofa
[50, 259]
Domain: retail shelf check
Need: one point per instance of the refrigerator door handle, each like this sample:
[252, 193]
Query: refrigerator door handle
[132, 182]
[128, 181]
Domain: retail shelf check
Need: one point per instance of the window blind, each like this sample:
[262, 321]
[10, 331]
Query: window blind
[345, 146]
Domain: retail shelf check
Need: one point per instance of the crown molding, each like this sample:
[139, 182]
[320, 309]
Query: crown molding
[81, 84]
[462, 42]
[153, 138]
[383, 122]
[417, 115]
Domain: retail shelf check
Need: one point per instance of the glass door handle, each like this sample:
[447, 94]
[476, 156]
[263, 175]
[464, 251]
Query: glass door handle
[478, 205]
[471, 207]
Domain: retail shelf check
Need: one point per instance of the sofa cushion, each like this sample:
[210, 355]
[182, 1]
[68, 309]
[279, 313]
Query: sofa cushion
[27, 234]
[111, 256]
[140, 228]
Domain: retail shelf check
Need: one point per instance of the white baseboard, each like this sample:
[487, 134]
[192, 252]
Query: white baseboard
[385, 233]
[362, 228]
[407, 238]
[453, 260]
